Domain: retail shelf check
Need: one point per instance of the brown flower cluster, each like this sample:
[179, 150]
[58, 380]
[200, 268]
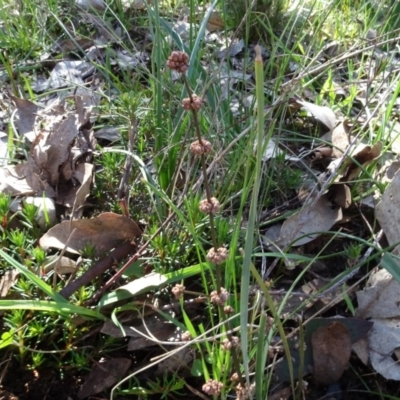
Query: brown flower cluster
[219, 298]
[217, 256]
[212, 387]
[235, 377]
[199, 148]
[210, 207]
[244, 392]
[178, 61]
[178, 291]
[229, 344]
[192, 103]
[228, 310]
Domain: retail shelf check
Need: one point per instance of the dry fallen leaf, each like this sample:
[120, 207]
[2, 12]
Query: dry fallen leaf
[331, 347]
[103, 232]
[340, 138]
[7, 280]
[321, 113]
[51, 149]
[361, 348]
[340, 195]
[357, 328]
[66, 74]
[103, 375]
[307, 224]
[26, 117]
[362, 155]
[387, 212]
[380, 302]
[75, 198]
[384, 340]
[62, 147]
[215, 22]
[13, 181]
[381, 298]
[62, 265]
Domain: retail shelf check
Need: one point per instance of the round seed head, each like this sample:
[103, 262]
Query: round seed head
[219, 298]
[178, 291]
[199, 148]
[194, 103]
[212, 387]
[178, 61]
[217, 256]
[210, 207]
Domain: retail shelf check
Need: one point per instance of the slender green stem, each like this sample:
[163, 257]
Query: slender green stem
[248, 250]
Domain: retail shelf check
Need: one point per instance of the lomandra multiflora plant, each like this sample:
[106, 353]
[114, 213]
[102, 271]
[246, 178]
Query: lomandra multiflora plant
[201, 147]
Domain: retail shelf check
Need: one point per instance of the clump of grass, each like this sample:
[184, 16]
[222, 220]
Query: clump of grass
[258, 14]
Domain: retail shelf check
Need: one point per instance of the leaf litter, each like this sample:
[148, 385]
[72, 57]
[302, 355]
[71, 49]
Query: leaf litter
[379, 301]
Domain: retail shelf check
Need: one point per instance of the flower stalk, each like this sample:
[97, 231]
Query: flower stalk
[179, 62]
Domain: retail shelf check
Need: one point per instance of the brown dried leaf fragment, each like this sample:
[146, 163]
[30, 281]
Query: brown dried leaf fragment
[340, 138]
[331, 347]
[105, 232]
[307, 224]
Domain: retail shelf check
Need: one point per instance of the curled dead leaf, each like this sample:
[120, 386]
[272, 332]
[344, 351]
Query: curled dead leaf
[321, 113]
[340, 195]
[362, 155]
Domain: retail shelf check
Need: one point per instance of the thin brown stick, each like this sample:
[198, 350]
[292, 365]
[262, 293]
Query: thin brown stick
[99, 268]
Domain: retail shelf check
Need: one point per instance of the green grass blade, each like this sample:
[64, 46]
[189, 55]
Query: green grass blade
[66, 309]
[34, 278]
[194, 53]
[248, 249]
[392, 265]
